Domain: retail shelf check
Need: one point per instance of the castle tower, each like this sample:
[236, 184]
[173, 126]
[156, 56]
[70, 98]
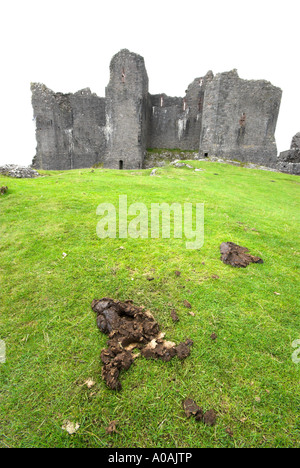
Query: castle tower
[239, 119]
[126, 111]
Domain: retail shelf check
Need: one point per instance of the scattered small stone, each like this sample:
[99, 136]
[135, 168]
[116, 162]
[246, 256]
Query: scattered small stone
[89, 383]
[20, 172]
[70, 427]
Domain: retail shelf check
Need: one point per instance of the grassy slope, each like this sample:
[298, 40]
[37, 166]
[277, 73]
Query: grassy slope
[53, 346]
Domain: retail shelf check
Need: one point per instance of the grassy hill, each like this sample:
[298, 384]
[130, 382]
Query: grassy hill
[52, 371]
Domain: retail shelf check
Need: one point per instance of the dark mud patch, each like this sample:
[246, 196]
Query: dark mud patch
[237, 256]
[174, 315]
[130, 327]
[3, 190]
[187, 304]
[192, 409]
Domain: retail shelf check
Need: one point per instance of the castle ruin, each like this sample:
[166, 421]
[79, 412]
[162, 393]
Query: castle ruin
[222, 115]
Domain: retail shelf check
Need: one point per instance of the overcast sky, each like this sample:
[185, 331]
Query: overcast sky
[68, 45]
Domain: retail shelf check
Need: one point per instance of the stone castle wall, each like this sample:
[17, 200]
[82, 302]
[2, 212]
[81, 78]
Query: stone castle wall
[70, 128]
[218, 116]
[126, 98]
[289, 161]
[239, 119]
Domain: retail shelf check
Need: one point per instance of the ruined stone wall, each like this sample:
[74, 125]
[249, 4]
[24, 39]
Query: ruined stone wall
[70, 128]
[54, 122]
[289, 161]
[88, 132]
[239, 119]
[126, 114]
[175, 122]
[164, 113]
[222, 116]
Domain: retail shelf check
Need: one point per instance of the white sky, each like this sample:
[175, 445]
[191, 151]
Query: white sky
[68, 45]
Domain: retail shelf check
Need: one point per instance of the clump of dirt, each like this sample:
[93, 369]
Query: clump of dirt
[130, 327]
[3, 190]
[192, 409]
[210, 417]
[174, 315]
[112, 428]
[235, 255]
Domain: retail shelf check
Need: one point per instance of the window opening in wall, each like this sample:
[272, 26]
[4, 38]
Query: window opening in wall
[242, 121]
[201, 82]
[121, 164]
[123, 75]
[161, 101]
[200, 104]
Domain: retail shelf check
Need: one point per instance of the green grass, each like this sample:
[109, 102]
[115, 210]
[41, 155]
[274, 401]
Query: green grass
[53, 345]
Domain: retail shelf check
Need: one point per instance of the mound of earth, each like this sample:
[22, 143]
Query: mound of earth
[237, 256]
[192, 409]
[129, 327]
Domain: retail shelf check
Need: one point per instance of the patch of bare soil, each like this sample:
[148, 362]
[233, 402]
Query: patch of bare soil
[174, 315]
[237, 256]
[129, 327]
[3, 190]
[192, 409]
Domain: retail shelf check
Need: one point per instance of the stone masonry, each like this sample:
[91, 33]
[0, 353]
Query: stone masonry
[222, 116]
[239, 119]
[289, 161]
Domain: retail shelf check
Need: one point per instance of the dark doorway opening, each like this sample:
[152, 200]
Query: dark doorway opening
[120, 164]
[206, 155]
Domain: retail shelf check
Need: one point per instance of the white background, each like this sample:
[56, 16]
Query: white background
[68, 45]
